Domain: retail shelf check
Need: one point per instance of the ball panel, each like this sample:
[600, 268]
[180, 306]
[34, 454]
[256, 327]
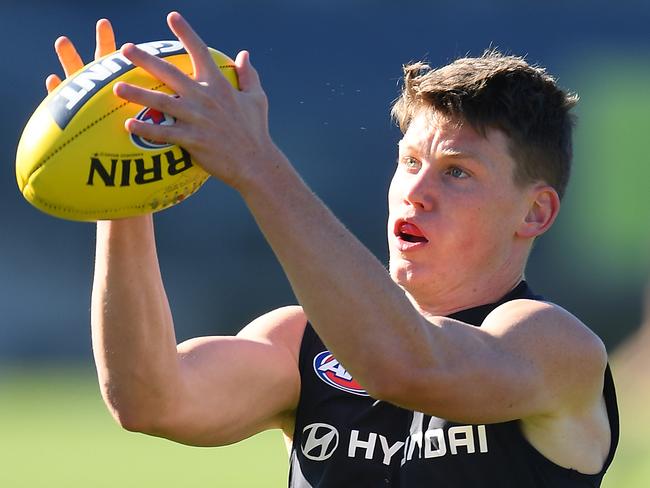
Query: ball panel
[40, 134]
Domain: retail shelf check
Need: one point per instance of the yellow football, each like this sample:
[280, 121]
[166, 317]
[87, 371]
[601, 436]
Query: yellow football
[76, 161]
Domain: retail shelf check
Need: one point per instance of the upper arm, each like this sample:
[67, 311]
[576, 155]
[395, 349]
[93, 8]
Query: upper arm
[234, 387]
[528, 358]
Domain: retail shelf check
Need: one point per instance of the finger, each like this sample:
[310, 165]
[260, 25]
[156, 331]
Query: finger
[163, 102]
[68, 55]
[247, 76]
[105, 38]
[204, 67]
[51, 82]
[160, 69]
[161, 133]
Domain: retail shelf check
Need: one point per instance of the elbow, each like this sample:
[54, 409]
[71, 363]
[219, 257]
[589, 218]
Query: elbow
[145, 424]
[133, 420]
[391, 390]
[392, 386]
[384, 391]
[138, 418]
[408, 388]
[162, 423]
[173, 428]
[146, 414]
[132, 424]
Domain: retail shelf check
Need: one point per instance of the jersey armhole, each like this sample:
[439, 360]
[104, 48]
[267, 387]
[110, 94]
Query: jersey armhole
[308, 336]
[609, 395]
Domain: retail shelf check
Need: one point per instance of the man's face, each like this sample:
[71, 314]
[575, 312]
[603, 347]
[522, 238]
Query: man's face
[453, 208]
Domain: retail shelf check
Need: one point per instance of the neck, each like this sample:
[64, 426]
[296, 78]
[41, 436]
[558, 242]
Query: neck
[463, 297]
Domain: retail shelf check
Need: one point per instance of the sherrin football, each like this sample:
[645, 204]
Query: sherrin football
[76, 161]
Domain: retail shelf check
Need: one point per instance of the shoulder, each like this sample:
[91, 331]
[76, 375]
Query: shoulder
[569, 356]
[282, 327]
[548, 322]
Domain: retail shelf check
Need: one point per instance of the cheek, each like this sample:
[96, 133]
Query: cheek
[487, 234]
[394, 201]
[477, 228]
[393, 191]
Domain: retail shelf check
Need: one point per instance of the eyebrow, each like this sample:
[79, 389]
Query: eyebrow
[450, 153]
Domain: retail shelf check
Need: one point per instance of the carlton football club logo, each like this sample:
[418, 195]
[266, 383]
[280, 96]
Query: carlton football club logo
[329, 370]
[152, 116]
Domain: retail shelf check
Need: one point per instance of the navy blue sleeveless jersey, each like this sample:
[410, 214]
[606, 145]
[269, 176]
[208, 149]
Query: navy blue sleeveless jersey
[344, 438]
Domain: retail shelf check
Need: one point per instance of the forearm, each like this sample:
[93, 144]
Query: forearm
[346, 292]
[348, 295]
[133, 337]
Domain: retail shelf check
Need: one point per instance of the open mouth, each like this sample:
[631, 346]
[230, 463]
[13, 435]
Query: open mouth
[409, 232]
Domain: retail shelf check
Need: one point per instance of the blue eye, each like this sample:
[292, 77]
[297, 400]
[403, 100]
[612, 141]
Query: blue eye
[456, 172]
[411, 163]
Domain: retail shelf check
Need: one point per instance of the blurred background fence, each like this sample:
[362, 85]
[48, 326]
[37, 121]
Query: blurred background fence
[331, 70]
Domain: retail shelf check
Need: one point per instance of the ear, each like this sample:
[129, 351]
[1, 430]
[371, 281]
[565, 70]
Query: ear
[542, 211]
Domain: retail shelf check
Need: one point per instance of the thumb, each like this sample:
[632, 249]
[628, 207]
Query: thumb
[248, 78]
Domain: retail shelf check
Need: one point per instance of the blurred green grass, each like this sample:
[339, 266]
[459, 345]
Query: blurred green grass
[631, 466]
[56, 432]
[630, 362]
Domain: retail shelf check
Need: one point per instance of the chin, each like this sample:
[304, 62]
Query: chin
[405, 274]
[422, 279]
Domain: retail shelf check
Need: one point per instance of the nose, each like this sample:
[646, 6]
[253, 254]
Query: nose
[419, 192]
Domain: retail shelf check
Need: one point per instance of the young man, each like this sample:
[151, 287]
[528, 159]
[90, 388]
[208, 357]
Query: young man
[448, 370]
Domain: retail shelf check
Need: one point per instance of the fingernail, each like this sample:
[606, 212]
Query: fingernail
[129, 46]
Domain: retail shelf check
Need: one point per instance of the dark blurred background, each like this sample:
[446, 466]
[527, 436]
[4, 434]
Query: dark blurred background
[331, 70]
